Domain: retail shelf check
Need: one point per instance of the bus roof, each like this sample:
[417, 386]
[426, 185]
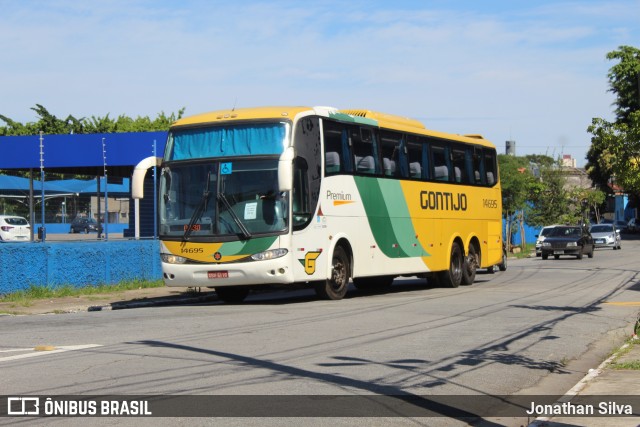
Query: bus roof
[361, 116]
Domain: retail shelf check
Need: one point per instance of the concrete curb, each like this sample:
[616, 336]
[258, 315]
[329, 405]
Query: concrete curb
[143, 304]
[580, 385]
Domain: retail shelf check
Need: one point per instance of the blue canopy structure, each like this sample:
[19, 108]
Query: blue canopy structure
[15, 186]
[82, 154]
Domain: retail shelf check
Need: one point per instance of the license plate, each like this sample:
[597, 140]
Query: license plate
[600, 241]
[218, 274]
[558, 252]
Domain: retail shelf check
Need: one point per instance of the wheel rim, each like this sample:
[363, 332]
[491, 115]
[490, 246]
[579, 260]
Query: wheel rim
[338, 274]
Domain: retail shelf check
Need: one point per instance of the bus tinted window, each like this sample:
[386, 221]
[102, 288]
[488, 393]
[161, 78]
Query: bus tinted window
[390, 143]
[459, 166]
[490, 167]
[337, 148]
[478, 168]
[365, 150]
[439, 155]
[415, 158]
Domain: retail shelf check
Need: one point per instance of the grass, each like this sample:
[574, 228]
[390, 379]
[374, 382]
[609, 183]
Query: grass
[25, 297]
[629, 364]
[529, 248]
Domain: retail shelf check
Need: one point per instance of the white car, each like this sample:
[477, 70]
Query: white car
[605, 236]
[544, 232]
[14, 229]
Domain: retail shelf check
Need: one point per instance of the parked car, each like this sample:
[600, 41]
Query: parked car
[621, 226]
[544, 232]
[83, 225]
[605, 236]
[632, 226]
[14, 229]
[568, 240]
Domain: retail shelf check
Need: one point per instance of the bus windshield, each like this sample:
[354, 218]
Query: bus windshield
[217, 198]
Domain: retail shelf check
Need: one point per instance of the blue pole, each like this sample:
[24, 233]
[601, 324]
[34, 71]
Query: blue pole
[155, 197]
[43, 237]
[106, 192]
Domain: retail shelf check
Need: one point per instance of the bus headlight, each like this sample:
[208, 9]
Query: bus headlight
[172, 259]
[270, 254]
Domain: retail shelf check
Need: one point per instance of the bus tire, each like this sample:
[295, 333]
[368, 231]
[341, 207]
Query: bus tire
[470, 266]
[335, 288]
[503, 265]
[233, 294]
[452, 277]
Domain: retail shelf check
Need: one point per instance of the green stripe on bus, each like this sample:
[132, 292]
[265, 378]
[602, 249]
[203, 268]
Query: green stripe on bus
[389, 218]
[249, 247]
[353, 119]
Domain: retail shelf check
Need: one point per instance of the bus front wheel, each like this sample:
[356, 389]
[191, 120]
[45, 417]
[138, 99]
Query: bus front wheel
[335, 287]
[452, 277]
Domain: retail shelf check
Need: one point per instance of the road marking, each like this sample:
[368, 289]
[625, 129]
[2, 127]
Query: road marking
[34, 353]
[625, 303]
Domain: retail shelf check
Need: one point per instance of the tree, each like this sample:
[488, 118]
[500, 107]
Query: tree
[615, 146]
[516, 180]
[624, 79]
[549, 202]
[50, 124]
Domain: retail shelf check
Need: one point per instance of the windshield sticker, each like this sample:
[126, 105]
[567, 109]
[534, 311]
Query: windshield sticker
[226, 168]
[250, 210]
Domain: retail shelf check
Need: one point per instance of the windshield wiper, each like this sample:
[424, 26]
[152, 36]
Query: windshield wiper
[237, 220]
[202, 207]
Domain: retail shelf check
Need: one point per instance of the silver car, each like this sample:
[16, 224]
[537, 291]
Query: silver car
[606, 236]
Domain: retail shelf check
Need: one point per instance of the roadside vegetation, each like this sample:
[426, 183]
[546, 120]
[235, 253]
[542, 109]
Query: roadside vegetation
[535, 188]
[626, 364]
[27, 296]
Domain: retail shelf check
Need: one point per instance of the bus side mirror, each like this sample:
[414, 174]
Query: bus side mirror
[285, 169]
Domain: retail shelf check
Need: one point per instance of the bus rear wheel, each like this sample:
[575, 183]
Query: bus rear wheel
[335, 287]
[232, 295]
[470, 266]
[452, 277]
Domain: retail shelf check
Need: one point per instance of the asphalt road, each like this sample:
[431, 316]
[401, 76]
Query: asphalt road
[535, 329]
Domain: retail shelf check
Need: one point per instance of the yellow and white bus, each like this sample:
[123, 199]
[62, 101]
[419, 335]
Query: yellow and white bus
[321, 196]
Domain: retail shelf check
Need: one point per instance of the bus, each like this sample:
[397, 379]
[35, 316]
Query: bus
[322, 197]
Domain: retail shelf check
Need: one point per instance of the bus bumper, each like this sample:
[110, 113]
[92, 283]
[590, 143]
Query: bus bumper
[268, 272]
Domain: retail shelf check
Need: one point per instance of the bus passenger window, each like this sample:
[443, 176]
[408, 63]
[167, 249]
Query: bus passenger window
[459, 167]
[490, 166]
[414, 154]
[365, 150]
[440, 163]
[337, 148]
[390, 143]
[478, 169]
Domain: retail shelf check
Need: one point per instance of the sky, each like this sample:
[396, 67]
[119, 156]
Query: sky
[534, 72]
